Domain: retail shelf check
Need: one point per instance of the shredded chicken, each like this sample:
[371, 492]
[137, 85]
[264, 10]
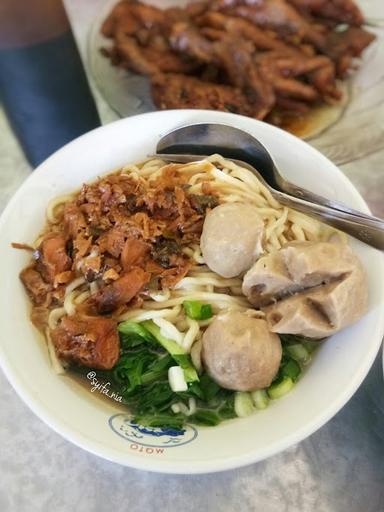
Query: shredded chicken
[258, 58]
[119, 238]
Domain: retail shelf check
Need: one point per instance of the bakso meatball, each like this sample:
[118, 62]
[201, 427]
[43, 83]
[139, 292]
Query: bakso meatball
[231, 240]
[308, 288]
[240, 353]
[321, 311]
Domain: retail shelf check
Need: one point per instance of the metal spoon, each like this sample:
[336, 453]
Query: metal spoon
[370, 232]
[230, 142]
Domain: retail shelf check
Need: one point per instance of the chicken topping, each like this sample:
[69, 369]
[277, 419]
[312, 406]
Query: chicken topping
[89, 341]
[115, 237]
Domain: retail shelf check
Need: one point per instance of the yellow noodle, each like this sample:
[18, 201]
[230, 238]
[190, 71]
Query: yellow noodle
[53, 204]
[231, 183]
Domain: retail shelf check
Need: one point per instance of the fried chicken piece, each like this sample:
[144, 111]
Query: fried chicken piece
[279, 16]
[273, 14]
[290, 105]
[319, 69]
[121, 11]
[133, 57]
[287, 87]
[342, 11]
[213, 34]
[180, 91]
[195, 9]
[148, 61]
[236, 57]
[169, 61]
[343, 47]
[262, 39]
[323, 78]
[130, 16]
[186, 39]
[298, 65]
[175, 14]
[292, 60]
[295, 89]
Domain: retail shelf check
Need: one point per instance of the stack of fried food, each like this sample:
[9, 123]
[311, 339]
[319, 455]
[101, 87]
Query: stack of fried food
[259, 58]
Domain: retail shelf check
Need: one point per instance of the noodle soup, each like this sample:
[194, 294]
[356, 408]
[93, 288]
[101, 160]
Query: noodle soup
[120, 286]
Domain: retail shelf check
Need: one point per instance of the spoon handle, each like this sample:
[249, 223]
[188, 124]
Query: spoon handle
[368, 231]
[302, 193]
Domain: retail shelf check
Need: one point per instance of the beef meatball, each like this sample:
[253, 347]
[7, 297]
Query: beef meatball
[231, 240]
[309, 288]
[240, 353]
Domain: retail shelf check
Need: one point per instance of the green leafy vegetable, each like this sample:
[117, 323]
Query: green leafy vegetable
[140, 366]
[291, 369]
[133, 334]
[171, 420]
[197, 310]
[174, 349]
[206, 417]
[141, 377]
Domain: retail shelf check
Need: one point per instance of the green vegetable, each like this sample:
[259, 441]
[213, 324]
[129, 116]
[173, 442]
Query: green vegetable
[171, 420]
[128, 327]
[280, 388]
[141, 376]
[308, 343]
[243, 404]
[174, 349]
[206, 417]
[197, 310]
[133, 334]
[311, 345]
[299, 353]
[140, 366]
[260, 398]
[207, 389]
[291, 369]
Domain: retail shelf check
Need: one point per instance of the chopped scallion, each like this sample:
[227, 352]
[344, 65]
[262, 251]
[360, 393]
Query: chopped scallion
[260, 398]
[280, 388]
[299, 353]
[291, 369]
[197, 310]
[243, 404]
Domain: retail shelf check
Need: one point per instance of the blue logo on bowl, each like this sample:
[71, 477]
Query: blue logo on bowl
[154, 437]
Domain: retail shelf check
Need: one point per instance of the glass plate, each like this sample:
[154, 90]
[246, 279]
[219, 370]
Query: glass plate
[358, 131]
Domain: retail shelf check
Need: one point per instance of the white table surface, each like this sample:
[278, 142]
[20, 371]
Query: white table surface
[340, 468]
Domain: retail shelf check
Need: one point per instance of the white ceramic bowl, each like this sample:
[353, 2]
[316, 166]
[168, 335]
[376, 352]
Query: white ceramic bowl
[98, 425]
